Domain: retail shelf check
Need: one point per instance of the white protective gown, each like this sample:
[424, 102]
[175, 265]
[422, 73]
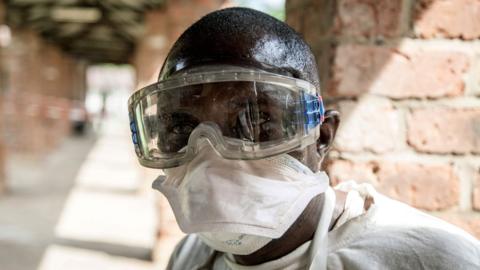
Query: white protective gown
[389, 235]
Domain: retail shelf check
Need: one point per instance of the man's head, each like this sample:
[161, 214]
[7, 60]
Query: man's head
[248, 84]
[241, 36]
[248, 38]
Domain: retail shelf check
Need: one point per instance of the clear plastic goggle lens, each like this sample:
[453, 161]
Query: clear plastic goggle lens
[241, 119]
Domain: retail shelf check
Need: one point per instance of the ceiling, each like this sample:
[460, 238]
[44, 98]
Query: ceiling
[96, 30]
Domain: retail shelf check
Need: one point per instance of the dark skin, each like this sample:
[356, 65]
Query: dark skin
[303, 229]
[248, 38]
[212, 105]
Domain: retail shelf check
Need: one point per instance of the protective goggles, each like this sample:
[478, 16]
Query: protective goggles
[243, 113]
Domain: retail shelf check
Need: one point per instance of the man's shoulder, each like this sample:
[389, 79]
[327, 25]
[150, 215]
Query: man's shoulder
[407, 248]
[394, 233]
[388, 212]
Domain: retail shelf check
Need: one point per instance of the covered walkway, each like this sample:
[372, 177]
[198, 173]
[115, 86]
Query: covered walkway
[81, 201]
[86, 207]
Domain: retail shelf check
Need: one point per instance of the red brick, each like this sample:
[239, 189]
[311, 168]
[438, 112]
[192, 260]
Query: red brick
[360, 69]
[445, 130]
[476, 192]
[183, 13]
[155, 22]
[21, 60]
[32, 127]
[312, 26]
[2, 167]
[35, 124]
[372, 124]
[294, 17]
[3, 183]
[467, 221]
[450, 19]
[163, 27]
[368, 18]
[345, 170]
[430, 187]
[2, 12]
[294, 4]
[152, 49]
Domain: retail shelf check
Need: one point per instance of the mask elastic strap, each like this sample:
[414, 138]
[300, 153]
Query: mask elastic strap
[319, 248]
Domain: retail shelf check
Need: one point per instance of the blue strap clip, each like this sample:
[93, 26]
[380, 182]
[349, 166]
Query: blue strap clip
[314, 111]
[133, 129]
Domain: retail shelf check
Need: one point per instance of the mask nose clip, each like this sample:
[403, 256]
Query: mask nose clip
[206, 133]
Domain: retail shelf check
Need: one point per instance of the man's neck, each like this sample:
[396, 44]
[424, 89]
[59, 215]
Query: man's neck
[301, 231]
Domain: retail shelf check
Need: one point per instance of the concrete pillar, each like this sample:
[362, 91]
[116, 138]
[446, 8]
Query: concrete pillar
[2, 88]
[162, 27]
[43, 82]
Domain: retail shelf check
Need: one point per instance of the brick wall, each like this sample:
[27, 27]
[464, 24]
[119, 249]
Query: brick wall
[2, 159]
[2, 162]
[405, 76]
[42, 81]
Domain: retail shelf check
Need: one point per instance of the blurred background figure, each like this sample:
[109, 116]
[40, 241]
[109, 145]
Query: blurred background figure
[78, 118]
[67, 67]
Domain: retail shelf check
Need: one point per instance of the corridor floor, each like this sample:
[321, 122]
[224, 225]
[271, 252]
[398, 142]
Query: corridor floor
[83, 207]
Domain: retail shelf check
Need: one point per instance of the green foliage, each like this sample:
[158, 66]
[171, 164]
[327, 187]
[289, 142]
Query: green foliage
[275, 8]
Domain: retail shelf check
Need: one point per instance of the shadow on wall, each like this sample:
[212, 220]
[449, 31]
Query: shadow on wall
[404, 75]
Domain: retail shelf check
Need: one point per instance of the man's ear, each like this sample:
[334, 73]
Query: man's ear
[328, 129]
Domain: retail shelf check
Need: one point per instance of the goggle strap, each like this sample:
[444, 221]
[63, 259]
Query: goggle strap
[314, 110]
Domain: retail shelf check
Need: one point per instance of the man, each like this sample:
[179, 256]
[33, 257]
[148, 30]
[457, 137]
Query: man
[237, 124]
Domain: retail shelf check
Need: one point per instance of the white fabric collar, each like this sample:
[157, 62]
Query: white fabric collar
[297, 259]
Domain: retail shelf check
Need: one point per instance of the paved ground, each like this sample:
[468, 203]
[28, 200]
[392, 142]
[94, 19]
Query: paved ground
[81, 208]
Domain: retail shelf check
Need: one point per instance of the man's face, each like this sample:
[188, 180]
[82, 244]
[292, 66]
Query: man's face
[231, 107]
[248, 111]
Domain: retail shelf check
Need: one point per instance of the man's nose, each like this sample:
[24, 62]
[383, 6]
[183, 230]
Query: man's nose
[215, 109]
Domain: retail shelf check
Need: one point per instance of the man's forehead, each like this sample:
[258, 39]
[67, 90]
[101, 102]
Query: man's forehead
[228, 95]
[226, 90]
[228, 65]
[239, 36]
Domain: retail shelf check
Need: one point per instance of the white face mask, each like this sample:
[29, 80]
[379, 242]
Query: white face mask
[230, 201]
